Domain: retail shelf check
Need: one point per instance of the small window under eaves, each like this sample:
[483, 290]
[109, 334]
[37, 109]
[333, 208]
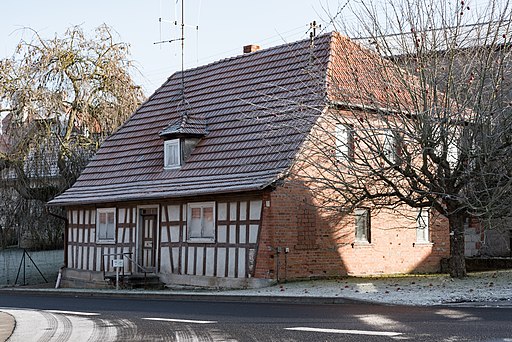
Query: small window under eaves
[172, 154]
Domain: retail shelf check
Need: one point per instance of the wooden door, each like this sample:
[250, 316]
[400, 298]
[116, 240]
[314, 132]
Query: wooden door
[148, 241]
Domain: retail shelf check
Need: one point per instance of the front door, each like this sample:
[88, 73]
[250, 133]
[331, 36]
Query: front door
[147, 241]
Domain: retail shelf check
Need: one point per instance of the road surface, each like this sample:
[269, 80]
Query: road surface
[60, 318]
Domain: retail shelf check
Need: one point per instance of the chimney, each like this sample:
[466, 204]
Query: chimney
[251, 48]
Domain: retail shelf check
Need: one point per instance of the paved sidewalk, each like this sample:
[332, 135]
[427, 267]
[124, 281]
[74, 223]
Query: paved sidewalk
[477, 289]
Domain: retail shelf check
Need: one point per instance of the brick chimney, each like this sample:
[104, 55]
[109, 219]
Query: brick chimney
[251, 48]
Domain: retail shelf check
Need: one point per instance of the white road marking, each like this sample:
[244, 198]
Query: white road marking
[178, 320]
[77, 313]
[342, 331]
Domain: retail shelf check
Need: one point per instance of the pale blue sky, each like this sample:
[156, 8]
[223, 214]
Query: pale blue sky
[224, 27]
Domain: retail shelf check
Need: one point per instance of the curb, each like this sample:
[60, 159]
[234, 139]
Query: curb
[264, 299]
[7, 325]
[212, 296]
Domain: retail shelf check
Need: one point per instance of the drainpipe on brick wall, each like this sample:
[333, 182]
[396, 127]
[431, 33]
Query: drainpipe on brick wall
[278, 250]
[286, 250]
[66, 225]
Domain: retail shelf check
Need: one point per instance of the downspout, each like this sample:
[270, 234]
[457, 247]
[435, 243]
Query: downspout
[66, 226]
[278, 266]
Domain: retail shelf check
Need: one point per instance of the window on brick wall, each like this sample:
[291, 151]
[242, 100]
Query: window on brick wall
[344, 142]
[452, 154]
[422, 225]
[362, 221]
[201, 221]
[106, 225]
[389, 147]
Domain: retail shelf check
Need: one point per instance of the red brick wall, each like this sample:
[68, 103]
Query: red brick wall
[322, 244]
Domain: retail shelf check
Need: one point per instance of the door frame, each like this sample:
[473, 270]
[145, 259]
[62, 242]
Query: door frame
[138, 240]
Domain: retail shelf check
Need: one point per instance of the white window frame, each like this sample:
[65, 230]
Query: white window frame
[100, 229]
[452, 154]
[389, 145]
[343, 136]
[422, 225]
[168, 144]
[203, 237]
[362, 236]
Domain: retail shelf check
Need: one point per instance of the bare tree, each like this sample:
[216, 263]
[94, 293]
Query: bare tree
[423, 120]
[59, 98]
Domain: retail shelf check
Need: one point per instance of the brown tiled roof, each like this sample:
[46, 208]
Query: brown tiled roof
[258, 108]
[253, 113]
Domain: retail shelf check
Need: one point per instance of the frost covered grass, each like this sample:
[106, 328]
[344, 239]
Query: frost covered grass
[495, 286]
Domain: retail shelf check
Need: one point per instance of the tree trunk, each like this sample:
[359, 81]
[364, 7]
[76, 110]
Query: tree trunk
[457, 262]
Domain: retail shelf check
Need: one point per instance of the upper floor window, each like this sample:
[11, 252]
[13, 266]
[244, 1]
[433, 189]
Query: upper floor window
[452, 154]
[106, 225]
[422, 223]
[362, 220]
[390, 146]
[344, 142]
[172, 154]
[201, 221]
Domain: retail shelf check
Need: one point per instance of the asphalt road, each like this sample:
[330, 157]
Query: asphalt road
[60, 318]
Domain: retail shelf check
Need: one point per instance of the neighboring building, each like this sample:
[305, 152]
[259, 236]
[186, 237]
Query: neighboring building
[492, 237]
[197, 185]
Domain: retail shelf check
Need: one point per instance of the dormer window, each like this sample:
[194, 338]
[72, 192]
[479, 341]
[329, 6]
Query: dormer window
[172, 154]
[180, 139]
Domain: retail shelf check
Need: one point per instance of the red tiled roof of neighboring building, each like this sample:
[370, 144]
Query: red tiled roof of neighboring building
[359, 76]
[254, 110]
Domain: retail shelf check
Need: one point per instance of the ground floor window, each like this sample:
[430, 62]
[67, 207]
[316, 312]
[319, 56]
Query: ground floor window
[106, 225]
[422, 222]
[201, 221]
[362, 221]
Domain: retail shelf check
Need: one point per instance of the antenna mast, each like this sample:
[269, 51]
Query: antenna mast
[182, 26]
[182, 51]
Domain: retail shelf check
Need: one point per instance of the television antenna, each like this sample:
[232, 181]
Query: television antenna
[181, 39]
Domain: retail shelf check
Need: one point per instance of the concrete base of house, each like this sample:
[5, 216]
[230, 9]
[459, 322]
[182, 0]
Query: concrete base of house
[83, 279]
[74, 278]
[191, 281]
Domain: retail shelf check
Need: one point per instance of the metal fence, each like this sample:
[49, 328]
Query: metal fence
[22, 267]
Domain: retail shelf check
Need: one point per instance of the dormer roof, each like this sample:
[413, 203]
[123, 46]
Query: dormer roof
[186, 126]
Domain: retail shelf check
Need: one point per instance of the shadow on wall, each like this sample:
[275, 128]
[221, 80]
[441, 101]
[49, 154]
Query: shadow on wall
[301, 239]
[297, 240]
[20, 267]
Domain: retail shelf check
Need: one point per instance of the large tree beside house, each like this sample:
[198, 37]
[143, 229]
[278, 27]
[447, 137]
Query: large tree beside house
[59, 99]
[429, 125]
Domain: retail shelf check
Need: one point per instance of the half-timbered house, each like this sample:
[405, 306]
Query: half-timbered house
[195, 187]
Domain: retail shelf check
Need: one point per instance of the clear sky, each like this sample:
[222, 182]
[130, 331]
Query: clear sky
[224, 27]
